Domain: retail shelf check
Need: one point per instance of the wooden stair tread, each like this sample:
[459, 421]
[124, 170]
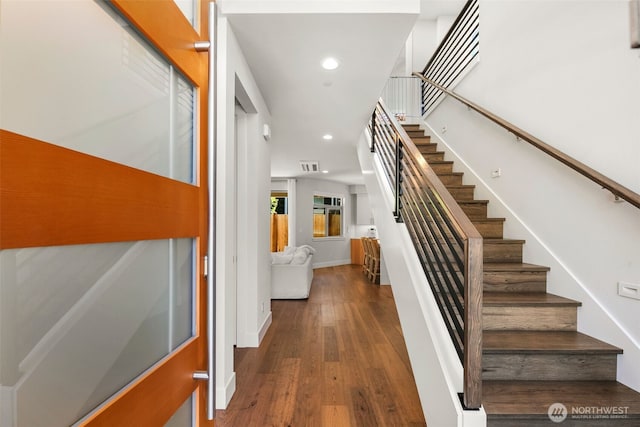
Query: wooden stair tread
[502, 241]
[440, 162]
[526, 299]
[423, 142]
[487, 219]
[544, 342]
[519, 399]
[515, 266]
[473, 202]
[461, 187]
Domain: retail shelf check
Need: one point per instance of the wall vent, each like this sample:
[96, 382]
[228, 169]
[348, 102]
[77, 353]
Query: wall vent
[309, 166]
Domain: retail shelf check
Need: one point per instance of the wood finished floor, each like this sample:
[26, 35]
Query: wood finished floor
[336, 359]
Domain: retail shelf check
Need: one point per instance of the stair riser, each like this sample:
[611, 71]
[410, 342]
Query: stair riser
[451, 179]
[489, 230]
[424, 146]
[549, 367]
[465, 193]
[474, 210]
[442, 167]
[529, 318]
[433, 157]
[415, 133]
[501, 252]
[511, 281]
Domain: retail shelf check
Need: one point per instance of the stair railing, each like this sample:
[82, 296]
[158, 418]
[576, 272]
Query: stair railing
[448, 245]
[618, 190]
[454, 56]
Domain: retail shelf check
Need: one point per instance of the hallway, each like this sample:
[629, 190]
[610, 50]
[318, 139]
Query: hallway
[336, 359]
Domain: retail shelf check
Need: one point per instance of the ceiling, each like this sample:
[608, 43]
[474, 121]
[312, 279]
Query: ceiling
[284, 43]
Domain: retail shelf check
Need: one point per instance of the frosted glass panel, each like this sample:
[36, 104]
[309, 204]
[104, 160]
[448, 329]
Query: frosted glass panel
[106, 93]
[181, 299]
[183, 416]
[183, 125]
[77, 323]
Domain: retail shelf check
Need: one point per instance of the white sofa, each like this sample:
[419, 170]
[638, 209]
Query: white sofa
[292, 273]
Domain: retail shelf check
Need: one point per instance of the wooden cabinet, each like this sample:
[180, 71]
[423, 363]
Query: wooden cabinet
[357, 252]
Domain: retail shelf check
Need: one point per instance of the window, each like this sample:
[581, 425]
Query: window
[279, 203]
[327, 216]
[279, 221]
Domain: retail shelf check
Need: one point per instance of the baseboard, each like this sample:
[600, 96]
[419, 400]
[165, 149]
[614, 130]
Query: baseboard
[334, 263]
[253, 339]
[265, 327]
[7, 406]
[224, 394]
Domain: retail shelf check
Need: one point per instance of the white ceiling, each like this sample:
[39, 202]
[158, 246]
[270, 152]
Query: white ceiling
[432, 9]
[285, 42]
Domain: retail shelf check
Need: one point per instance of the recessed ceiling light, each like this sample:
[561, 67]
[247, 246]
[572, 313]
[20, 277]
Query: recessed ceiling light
[327, 137]
[325, 171]
[330, 64]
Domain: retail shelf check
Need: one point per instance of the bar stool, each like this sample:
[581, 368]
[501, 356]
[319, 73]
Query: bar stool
[374, 266]
[367, 255]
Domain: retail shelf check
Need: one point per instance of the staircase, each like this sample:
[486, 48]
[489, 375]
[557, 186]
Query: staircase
[533, 356]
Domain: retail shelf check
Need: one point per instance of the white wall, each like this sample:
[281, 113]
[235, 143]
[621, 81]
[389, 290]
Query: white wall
[443, 24]
[329, 252]
[564, 72]
[423, 42]
[251, 193]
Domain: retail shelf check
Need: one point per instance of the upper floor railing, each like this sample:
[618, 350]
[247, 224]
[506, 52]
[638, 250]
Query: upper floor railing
[401, 96]
[454, 56]
[448, 245]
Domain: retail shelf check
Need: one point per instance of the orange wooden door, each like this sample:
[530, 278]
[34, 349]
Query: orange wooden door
[53, 196]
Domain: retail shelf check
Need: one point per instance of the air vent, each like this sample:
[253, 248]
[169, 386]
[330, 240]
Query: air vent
[309, 166]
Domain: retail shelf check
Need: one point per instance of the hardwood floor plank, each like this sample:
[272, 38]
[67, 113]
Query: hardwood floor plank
[335, 416]
[333, 384]
[284, 394]
[362, 412]
[330, 345]
[336, 359]
[387, 407]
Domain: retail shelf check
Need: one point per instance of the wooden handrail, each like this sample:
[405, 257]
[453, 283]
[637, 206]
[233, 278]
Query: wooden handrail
[464, 226]
[473, 265]
[605, 182]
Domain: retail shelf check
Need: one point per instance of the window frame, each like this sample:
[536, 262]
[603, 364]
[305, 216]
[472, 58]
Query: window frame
[339, 207]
